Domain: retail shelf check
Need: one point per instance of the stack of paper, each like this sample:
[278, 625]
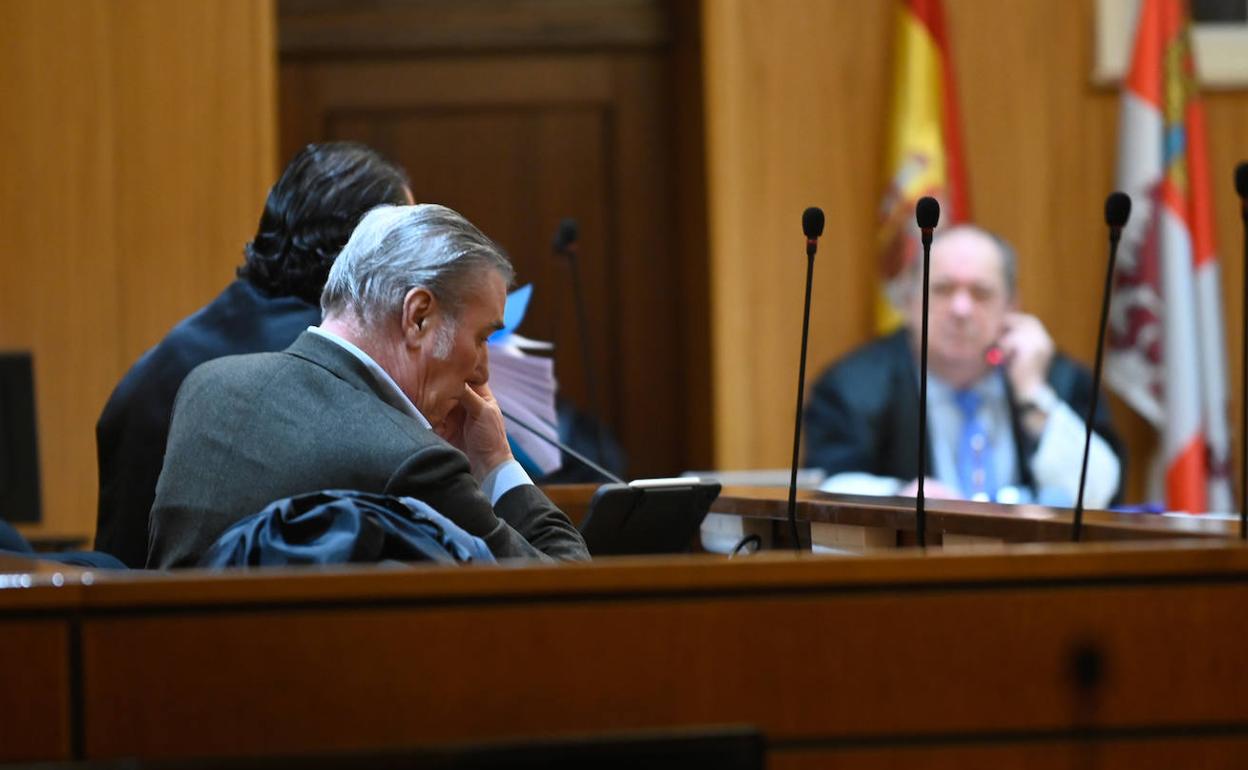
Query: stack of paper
[524, 386]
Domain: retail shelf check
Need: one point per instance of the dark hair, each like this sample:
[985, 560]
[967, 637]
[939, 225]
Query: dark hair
[310, 213]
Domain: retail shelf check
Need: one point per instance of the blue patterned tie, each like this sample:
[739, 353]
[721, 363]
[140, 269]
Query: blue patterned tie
[973, 462]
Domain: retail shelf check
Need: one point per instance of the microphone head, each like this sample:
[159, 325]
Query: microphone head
[1117, 209]
[812, 222]
[569, 232]
[927, 212]
[1241, 179]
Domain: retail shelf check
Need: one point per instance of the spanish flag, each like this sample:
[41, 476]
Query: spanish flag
[1167, 354]
[924, 150]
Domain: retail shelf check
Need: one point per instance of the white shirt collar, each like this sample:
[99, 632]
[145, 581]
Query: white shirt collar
[390, 391]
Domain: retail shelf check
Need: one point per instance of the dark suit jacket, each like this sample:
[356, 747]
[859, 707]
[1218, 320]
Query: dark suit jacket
[248, 430]
[130, 435]
[863, 413]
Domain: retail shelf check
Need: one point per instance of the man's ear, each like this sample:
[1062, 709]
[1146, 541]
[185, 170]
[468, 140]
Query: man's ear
[418, 308]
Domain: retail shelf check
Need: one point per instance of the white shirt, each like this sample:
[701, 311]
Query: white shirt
[498, 482]
[1054, 466]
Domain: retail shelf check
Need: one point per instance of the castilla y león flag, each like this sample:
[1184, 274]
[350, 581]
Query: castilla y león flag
[924, 149]
[1166, 350]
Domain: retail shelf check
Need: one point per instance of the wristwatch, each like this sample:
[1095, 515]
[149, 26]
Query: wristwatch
[1041, 399]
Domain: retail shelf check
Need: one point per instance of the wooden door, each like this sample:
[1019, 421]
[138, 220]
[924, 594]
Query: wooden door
[517, 115]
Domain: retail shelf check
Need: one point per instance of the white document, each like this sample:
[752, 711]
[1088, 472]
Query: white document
[525, 387]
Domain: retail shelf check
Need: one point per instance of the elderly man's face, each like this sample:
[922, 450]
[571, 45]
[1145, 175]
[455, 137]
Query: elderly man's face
[456, 354]
[968, 304]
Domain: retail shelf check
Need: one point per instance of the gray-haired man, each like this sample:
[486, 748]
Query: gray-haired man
[388, 395]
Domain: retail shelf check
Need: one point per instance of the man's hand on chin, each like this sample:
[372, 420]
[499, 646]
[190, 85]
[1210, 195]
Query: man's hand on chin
[483, 433]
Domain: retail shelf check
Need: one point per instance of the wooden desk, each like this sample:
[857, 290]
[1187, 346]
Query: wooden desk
[1110, 655]
[890, 521]
[1005, 523]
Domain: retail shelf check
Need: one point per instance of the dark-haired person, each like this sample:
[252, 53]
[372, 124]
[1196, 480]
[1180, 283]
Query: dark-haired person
[1007, 431]
[307, 219]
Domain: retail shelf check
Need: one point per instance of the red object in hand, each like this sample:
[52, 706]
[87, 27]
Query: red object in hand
[994, 355]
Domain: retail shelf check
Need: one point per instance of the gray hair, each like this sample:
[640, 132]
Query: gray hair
[1009, 263]
[397, 248]
[1009, 257]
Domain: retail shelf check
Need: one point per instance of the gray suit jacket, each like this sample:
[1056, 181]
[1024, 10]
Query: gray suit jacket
[248, 430]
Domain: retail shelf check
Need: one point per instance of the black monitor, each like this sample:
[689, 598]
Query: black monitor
[19, 448]
[648, 516]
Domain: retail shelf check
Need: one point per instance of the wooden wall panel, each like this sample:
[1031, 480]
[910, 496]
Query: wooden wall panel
[137, 145]
[795, 96]
[796, 110]
[58, 255]
[195, 116]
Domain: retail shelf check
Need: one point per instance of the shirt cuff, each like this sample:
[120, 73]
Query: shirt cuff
[1055, 465]
[506, 477]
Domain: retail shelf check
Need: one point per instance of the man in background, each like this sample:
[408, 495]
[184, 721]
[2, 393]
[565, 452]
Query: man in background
[389, 395]
[1006, 412]
[308, 217]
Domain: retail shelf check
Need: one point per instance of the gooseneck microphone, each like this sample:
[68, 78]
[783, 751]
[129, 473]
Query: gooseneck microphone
[1117, 212]
[565, 244]
[926, 215]
[1241, 188]
[588, 463]
[812, 228]
[566, 237]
